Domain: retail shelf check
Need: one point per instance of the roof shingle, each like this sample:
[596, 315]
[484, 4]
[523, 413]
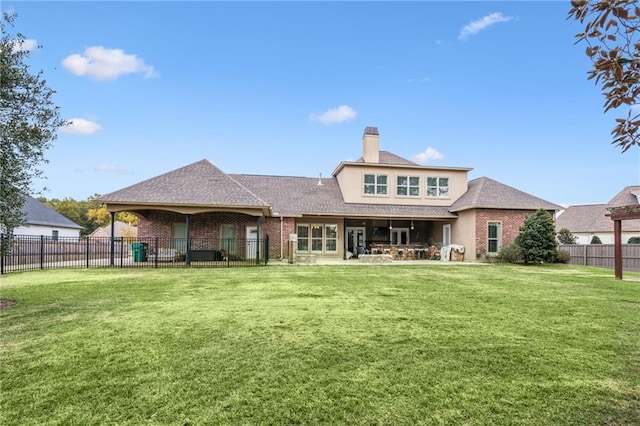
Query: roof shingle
[490, 194]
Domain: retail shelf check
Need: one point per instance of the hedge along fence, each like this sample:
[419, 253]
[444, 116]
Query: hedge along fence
[27, 252]
[602, 255]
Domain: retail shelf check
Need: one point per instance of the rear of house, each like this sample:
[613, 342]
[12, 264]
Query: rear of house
[380, 201]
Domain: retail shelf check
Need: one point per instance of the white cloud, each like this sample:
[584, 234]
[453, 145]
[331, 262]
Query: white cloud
[106, 64]
[478, 25]
[418, 80]
[108, 168]
[428, 155]
[26, 45]
[335, 115]
[80, 126]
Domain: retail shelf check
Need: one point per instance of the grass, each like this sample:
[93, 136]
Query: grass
[374, 345]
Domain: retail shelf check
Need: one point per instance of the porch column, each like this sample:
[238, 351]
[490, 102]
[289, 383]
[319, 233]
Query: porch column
[617, 251]
[113, 235]
[187, 258]
[345, 239]
[258, 241]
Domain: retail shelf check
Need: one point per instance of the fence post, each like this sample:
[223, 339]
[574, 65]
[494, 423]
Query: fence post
[584, 256]
[87, 242]
[266, 249]
[156, 255]
[41, 251]
[2, 251]
[121, 252]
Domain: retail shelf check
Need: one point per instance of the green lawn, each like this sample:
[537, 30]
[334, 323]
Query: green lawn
[357, 345]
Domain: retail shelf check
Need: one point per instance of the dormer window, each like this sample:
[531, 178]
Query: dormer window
[437, 187]
[375, 184]
[408, 186]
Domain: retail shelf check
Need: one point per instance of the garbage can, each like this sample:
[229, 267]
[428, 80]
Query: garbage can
[139, 252]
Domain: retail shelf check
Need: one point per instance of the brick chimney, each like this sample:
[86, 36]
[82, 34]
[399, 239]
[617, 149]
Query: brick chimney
[371, 145]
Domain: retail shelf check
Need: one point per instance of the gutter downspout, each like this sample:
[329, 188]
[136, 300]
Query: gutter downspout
[281, 238]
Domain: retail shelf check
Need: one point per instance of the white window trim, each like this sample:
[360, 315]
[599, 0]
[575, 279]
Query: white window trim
[408, 186]
[310, 238]
[498, 238]
[375, 185]
[426, 187]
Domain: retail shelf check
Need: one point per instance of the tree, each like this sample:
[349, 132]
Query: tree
[566, 237]
[613, 46]
[89, 213]
[634, 240]
[537, 238]
[595, 240]
[28, 124]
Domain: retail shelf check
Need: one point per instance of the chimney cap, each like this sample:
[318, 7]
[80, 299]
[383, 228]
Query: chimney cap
[371, 131]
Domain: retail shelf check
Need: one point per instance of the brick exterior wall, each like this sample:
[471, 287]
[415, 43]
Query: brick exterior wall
[208, 225]
[510, 220]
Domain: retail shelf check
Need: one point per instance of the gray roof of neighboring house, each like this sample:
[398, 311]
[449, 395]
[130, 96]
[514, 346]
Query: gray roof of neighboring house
[490, 194]
[592, 217]
[627, 197]
[36, 213]
[120, 229]
[198, 184]
[302, 195]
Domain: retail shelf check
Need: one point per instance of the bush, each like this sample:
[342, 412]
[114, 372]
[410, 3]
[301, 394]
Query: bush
[566, 237]
[510, 254]
[634, 240]
[537, 238]
[563, 256]
[595, 240]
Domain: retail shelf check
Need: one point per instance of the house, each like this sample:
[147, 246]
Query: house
[379, 199]
[589, 220]
[121, 230]
[43, 220]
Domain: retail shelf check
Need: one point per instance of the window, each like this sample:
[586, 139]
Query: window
[54, 235]
[331, 238]
[408, 185]
[437, 187]
[375, 184]
[303, 238]
[493, 237]
[317, 238]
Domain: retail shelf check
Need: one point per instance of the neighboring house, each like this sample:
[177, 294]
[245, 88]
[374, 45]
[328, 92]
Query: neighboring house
[43, 220]
[120, 229]
[380, 198]
[589, 220]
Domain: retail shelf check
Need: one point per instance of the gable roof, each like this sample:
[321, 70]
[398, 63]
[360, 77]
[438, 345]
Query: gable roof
[627, 197]
[295, 196]
[592, 217]
[197, 184]
[490, 194]
[37, 213]
[389, 158]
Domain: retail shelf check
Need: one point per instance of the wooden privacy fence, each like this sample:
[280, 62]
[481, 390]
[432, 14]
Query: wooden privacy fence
[25, 252]
[602, 255]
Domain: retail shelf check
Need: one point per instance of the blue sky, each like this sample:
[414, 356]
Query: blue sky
[287, 88]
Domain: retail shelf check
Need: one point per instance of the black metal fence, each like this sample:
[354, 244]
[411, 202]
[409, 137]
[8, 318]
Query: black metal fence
[26, 252]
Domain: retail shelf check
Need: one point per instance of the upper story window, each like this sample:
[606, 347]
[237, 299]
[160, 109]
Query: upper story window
[55, 234]
[408, 185]
[375, 184]
[437, 187]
